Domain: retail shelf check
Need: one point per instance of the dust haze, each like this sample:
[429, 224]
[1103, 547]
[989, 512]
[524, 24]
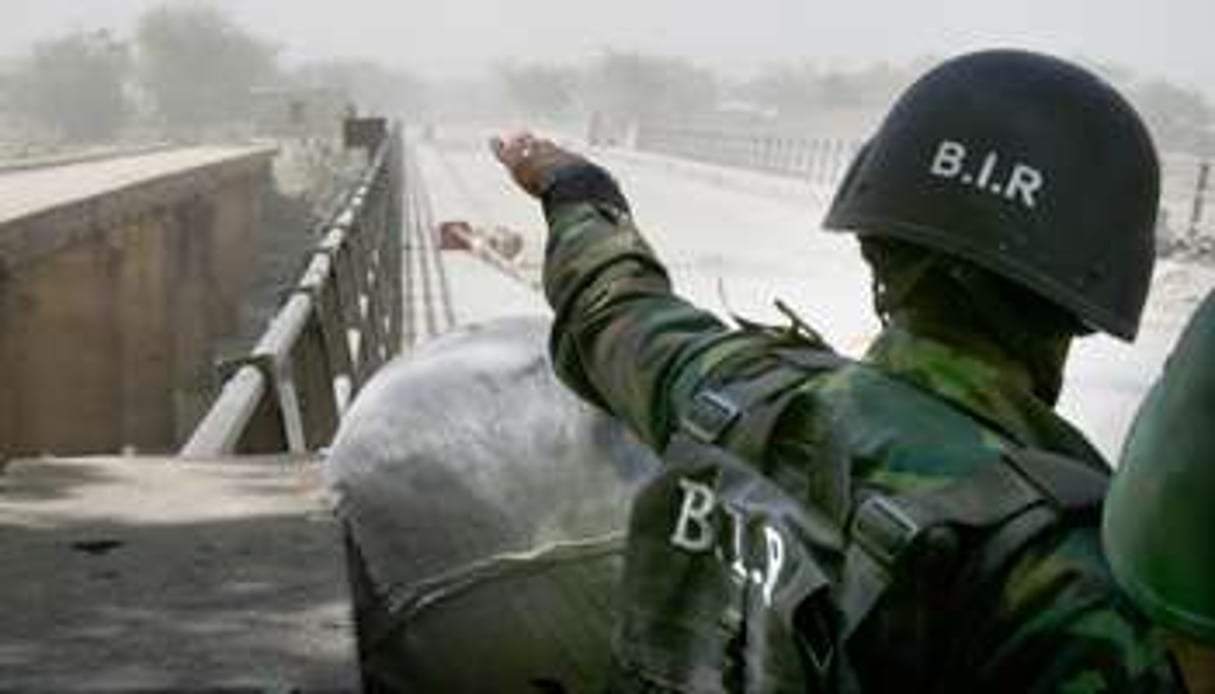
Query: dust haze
[1169, 38]
[72, 71]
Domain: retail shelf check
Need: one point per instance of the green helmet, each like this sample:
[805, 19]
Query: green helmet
[1023, 164]
[1159, 520]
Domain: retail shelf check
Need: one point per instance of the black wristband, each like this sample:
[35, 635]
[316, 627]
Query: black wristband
[582, 182]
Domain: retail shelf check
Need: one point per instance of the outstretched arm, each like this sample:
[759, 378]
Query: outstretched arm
[622, 339]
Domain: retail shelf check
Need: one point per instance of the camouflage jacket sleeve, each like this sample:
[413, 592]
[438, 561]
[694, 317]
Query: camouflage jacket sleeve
[621, 338]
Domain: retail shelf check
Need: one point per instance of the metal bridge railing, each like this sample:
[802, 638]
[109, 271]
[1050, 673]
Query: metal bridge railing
[1187, 183]
[817, 160]
[340, 322]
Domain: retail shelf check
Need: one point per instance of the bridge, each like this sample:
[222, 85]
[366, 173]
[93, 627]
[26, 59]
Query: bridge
[163, 520]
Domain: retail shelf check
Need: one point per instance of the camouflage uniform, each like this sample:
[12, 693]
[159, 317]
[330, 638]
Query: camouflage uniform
[912, 413]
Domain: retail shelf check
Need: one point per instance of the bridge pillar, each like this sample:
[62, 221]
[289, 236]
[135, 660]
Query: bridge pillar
[112, 308]
[52, 379]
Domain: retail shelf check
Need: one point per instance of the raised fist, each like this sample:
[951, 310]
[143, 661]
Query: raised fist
[532, 161]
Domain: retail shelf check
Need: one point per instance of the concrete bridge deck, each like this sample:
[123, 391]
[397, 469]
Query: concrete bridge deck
[154, 574]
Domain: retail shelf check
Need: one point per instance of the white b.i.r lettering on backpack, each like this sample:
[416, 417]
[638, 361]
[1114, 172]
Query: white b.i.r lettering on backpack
[1022, 184]
[694, 531]
[700, 514]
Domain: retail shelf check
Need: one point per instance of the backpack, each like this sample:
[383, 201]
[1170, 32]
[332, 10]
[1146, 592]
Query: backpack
[733, 585]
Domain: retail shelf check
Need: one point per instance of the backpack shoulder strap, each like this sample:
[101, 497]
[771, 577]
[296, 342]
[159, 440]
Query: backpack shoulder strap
[1027, 492]
[1009, 502]
[740, 414]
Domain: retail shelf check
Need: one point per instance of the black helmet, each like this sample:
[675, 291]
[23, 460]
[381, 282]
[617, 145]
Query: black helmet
[1023, 164]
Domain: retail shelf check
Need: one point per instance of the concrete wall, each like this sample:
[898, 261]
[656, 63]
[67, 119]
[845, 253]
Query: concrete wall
[108, 324]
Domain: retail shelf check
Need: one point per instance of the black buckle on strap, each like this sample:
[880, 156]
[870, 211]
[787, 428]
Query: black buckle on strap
[709, 415]
[883, 530]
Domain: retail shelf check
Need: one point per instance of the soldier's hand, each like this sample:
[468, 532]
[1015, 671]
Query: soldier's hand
[532, 161]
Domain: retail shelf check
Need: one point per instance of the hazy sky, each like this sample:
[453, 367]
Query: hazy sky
[1172, 38]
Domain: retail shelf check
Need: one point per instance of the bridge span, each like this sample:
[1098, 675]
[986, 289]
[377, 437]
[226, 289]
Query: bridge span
[222, 566]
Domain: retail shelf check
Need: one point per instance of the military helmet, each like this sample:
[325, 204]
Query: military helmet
[1160, 511]
[1023, 164]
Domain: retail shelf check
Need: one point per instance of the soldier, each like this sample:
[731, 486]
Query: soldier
[1159, 517]
[1005, 206]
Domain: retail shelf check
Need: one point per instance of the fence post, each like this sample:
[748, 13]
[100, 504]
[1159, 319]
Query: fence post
[1200, 191]
[313, 377]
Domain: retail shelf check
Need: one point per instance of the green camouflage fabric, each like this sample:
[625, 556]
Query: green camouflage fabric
[912, 414]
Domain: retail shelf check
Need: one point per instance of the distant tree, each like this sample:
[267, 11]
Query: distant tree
[198, 68]
[1180, 119]
[73, 86]
[649, 86]
[802, 88]
[539, 89]
[370, 86]
[788, 89]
